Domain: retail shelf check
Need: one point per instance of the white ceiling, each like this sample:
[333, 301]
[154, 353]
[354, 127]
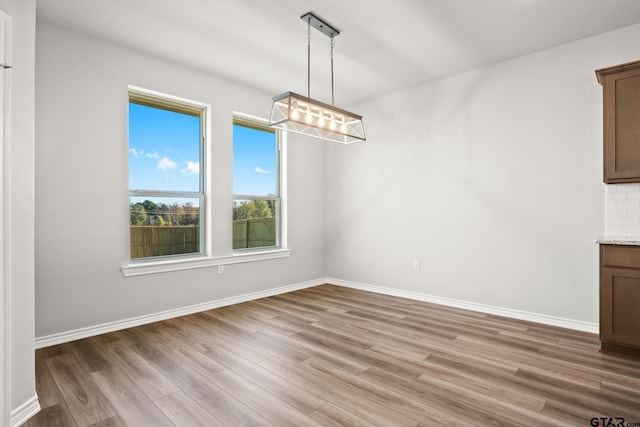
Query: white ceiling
[384, 46]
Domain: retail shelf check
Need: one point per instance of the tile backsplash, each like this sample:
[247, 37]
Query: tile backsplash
[622, 210]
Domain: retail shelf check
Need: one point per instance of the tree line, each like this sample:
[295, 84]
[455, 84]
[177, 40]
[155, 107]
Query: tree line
[249, 209]
[150, 213]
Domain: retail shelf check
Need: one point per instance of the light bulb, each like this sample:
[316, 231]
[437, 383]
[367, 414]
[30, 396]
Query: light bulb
[332, 125]
[321, 121]
[308, 118]
[295, 114]
[343, 128]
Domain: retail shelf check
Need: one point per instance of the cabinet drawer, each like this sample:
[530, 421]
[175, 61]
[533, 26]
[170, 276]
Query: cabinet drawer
[620, 256]
[619, 305]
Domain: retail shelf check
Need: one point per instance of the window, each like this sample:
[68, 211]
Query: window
[166, 179]
[257, 201]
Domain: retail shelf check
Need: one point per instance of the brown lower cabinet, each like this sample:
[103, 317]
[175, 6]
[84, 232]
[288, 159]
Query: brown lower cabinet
[620, 299]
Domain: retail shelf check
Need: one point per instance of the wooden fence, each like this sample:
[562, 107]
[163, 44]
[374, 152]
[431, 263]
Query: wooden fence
[157, 240]
[254, 233]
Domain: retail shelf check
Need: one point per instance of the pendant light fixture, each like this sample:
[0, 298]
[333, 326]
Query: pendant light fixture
[304, 115]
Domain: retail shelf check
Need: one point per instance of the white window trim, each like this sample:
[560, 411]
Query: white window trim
[145, 266]
[282, 173]
[205, 179]
[177, 264]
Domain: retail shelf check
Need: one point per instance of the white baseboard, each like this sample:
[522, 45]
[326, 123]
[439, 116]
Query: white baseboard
[62, 337]
[22, 413]
[489, 309]
[59, 338]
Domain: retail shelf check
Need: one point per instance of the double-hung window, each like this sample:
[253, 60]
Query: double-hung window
[166, 175]
[257, 203]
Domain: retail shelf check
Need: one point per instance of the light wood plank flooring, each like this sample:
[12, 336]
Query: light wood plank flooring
[335, 356]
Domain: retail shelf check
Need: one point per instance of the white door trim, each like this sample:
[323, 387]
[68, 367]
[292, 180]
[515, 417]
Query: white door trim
[5, 229]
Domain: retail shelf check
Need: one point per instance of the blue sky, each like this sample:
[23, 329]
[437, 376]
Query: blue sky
[164, 150]
[254, 161]
[164, 153]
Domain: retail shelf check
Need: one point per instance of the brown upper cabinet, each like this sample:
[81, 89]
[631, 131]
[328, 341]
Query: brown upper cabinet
[621, 96]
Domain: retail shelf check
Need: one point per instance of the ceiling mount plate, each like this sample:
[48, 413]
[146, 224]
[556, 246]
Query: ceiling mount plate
[320, 25]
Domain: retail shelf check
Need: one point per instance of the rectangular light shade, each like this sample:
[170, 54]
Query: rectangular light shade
[299, 114]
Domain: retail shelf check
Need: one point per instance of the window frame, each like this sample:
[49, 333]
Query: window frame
[166, 264]
[176, 104]
[252, 122]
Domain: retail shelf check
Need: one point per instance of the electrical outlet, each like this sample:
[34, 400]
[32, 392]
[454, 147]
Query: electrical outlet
[221, 269]
[416, 264]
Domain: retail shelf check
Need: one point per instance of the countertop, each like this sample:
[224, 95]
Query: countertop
[615, 240]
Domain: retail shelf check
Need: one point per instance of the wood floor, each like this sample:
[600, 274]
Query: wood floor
[335, 356]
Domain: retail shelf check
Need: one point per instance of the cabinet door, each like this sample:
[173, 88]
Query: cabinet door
[622, 126]
[620, 306]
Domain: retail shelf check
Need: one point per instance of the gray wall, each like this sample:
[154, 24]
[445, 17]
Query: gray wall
[491, 178]
[81, 188]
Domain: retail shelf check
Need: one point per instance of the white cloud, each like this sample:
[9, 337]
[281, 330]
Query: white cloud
[135, 152]
[153, 155]
[260, 170]
[193, 168]
[166, 164]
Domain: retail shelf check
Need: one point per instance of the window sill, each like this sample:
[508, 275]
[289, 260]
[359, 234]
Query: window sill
[167, 265]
